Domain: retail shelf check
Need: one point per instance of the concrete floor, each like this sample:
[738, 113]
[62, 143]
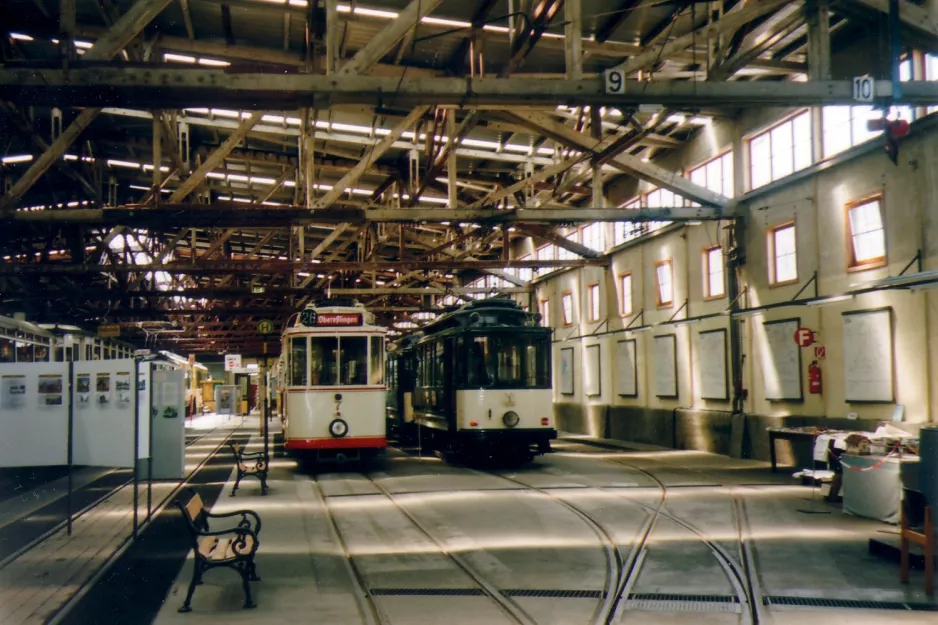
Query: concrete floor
[419, 524]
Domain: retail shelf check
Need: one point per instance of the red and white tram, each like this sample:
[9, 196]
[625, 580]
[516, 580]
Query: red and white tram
[333, 382]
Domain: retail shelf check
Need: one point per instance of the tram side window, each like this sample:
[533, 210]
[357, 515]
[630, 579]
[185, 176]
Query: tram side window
[354, 359]
[509, 360]
[298, 366]
[6, 351]
[480, 371]
[323, 352]
[537, 364]
[377, 360]
[24, 352]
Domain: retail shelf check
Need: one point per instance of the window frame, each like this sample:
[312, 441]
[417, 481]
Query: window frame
[853, 264]
[563, 309]
[773, 258]
[689, 171]
[707, 273]
[767, 131]
[623, 311]
[544, 309]
[589, 302]
[658, 301]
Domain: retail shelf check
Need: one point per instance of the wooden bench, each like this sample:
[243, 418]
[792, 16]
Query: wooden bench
[231, 547]
[916, 526]
[254, 463]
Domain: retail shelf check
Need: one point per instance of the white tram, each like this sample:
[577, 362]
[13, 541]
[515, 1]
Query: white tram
[333, 382]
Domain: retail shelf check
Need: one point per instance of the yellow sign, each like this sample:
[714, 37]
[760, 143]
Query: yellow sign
[109, 331]
[265, 327]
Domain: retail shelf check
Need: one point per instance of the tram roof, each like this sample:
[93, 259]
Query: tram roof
[492, 313]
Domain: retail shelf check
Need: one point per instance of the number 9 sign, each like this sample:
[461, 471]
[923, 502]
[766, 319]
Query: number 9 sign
[615, 81]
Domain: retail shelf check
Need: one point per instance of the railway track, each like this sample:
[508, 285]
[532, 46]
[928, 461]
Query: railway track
[625, 568]
[369, 607]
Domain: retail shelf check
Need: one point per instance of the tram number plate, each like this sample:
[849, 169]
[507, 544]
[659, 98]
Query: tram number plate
[311, 318]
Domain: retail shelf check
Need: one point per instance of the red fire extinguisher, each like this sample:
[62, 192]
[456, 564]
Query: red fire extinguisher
[814, 378]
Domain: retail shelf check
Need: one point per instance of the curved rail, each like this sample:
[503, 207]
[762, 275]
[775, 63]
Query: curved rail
[514, 612]
[740, 575]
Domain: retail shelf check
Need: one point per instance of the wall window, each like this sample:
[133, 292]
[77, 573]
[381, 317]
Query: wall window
[845, 127]
[544, 253]
[567, 303]
[714, 284]
[545, 312]
[592, 295]
[783, 259]
[780, 150]
[593, 236]
[526, 273]
[565, 254]
[931, 73]
[716, 175]
[867, 245]
[665, 283]
[625, 294]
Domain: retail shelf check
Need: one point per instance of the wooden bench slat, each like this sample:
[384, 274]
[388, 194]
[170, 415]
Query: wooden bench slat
[194, 507]
[206, 544]
[220, 552]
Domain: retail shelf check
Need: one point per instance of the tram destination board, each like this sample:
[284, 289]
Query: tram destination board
[311, 318]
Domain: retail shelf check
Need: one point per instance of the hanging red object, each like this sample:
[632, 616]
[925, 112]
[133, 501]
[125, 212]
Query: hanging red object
[898, 128]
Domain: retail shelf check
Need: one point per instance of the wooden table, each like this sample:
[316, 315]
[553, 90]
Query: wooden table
[790, 435]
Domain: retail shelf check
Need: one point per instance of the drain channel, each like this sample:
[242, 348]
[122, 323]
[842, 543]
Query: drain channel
[856, 604]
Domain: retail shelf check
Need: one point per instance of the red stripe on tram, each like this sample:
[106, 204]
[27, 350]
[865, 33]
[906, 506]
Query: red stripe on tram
[354, 442]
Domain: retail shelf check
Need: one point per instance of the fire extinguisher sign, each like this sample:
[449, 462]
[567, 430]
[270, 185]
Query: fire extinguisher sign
[820, 352]
[804, 337]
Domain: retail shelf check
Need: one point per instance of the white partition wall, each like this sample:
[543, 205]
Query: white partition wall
[33, 414]
[103, 430]
[144, 379]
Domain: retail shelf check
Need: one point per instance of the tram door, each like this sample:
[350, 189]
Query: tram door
[449, 382]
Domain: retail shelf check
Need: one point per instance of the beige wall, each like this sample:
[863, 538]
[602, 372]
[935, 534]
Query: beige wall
[815, 200]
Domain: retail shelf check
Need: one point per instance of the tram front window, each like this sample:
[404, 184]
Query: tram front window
[507, 361]
[298, 361]
[322, 354]
[377, 361]
[354, 360]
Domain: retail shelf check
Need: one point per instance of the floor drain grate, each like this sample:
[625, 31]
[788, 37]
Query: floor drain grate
[429, 592]
[555, 594]
[815, 602]
[664, 602]
[640, 596]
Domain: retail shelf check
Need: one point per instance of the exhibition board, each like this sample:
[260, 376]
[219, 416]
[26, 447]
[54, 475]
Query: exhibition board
[33, 414]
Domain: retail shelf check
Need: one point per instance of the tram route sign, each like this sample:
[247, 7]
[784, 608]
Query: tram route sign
[311, 318]
[265, 327]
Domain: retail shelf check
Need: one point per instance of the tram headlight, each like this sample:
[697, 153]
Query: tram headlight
[511, 418]
[338, 428]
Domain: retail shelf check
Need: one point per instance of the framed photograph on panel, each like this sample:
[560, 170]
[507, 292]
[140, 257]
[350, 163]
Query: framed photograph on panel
[566, 371]
[781, 361]
[712, 364]
[626, 368]
[665, 363]
[868, 356]
[592, 376]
